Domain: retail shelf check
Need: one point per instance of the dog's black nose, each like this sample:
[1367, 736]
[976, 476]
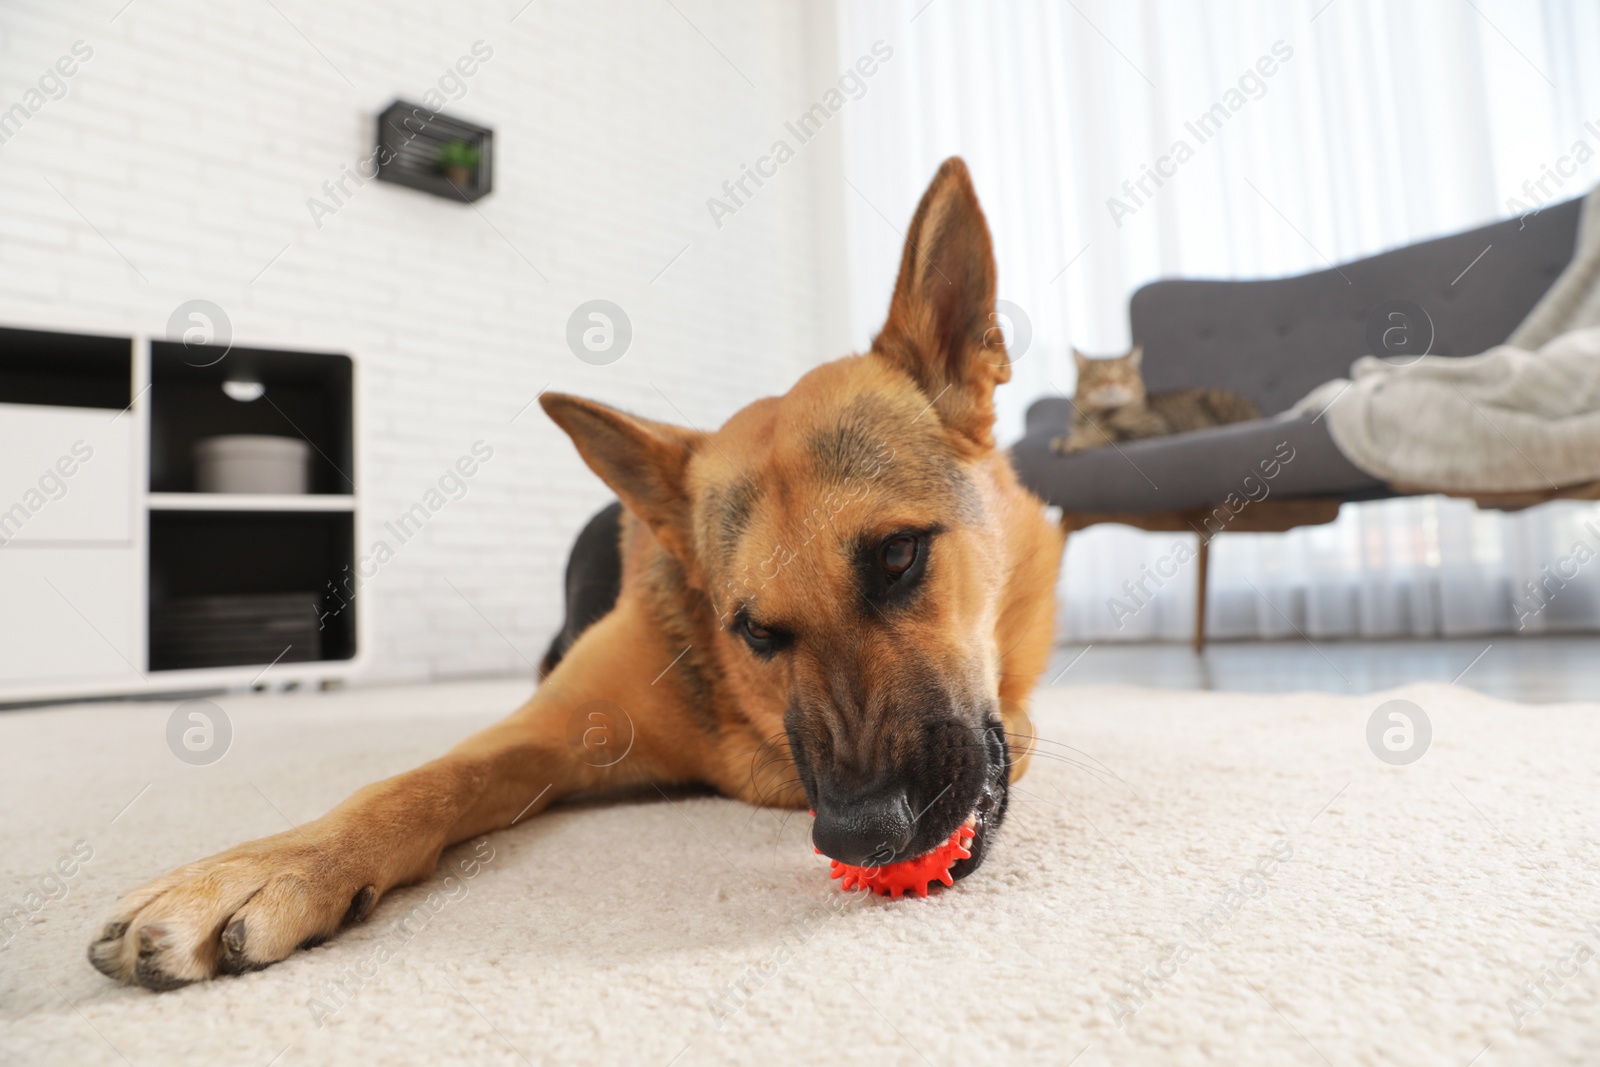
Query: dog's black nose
[864, 831]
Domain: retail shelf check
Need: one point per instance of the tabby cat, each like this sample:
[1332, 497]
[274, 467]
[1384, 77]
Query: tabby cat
[1111, 405]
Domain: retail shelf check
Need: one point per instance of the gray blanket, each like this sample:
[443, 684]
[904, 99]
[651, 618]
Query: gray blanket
[1524, 415]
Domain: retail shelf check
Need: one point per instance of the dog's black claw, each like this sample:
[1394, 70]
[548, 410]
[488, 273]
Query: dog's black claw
[233, 938]
[233, 959]
[361, 905]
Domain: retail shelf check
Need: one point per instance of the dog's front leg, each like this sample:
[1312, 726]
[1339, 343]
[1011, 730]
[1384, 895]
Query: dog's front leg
[255, 904]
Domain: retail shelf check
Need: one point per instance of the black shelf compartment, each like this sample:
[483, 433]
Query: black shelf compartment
[409, 139]
[65, 369]
[308, 395]
[234, 588]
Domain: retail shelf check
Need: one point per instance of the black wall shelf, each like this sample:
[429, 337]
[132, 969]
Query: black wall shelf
[409, 140]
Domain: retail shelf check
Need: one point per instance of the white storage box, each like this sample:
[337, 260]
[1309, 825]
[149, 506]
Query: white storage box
[252, 463]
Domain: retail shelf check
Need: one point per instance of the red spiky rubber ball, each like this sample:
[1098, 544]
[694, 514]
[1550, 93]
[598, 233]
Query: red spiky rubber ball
[914, 875]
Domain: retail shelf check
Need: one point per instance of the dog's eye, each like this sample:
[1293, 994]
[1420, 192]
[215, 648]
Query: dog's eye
[897, 555]
[762, 641]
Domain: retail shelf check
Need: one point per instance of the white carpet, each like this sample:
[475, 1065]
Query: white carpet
[1414, 903]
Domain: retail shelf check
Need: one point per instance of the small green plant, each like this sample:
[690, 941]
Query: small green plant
[456, 154]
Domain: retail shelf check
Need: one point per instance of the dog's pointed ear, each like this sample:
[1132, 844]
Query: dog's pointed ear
[942, 328]
[645, 462]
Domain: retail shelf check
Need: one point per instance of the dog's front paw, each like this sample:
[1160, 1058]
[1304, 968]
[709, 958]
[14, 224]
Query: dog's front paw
[239, 910]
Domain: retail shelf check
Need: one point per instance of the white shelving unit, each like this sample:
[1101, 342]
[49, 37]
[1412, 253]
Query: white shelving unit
[99, 535]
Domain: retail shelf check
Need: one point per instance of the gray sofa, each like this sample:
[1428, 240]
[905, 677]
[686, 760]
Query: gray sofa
[1275, 340]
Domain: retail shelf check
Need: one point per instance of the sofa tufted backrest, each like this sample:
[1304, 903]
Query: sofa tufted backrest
[1276, 339]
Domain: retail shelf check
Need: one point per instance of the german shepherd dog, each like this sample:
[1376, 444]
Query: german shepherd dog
[840, 601]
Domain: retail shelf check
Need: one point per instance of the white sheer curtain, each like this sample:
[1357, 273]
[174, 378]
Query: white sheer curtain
[1364, 125]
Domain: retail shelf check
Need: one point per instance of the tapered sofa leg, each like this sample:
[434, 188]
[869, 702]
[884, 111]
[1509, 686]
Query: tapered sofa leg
[1200, 595]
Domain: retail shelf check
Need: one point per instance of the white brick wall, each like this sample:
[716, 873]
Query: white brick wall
[193, 137]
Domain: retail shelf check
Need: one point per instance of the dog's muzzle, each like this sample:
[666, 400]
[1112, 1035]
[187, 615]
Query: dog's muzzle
[887, 824]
